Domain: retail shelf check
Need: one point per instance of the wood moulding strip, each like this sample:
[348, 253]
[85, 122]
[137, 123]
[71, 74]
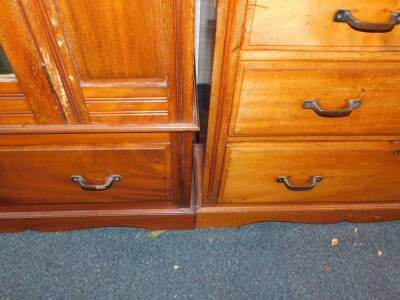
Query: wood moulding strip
[226, 216]
[92, 213]
[32, 129]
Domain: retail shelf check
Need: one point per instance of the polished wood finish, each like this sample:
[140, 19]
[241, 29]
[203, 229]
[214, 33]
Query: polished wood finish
[155, 127]
[59, 218]
[100, 88]
[116, 54]
[198, 172]
[13, 106]
[29, 84]
[351, 171]
[39, 185]
[236, 216]
[270, 57]
[114, 46]
[230, 19]
[42, 174]
[118, 39]
[269, 98]
[308, 25]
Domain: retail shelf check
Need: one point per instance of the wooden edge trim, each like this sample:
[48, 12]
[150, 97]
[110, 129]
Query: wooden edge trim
[151, 219]
[230, 25]
[195, 109]
[187, 45]
[312, 213]
[217, 80]
[198, 172]
[93, 213]
[317, 55]
[87, 128]
[32, 129]
[131, 83]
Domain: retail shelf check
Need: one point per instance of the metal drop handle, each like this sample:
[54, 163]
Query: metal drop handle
[95, 187]
[312, 183]
[346, 16]
[344, 112]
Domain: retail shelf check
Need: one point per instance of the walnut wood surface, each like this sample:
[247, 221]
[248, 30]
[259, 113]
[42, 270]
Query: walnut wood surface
[270, 56]
[59, 219]
[100, 88]
[118, 43]
[37, 192]
[106, 60]
[120, 52]
[308, 24]
[352, 172]
[303, 213]
[41, 174]
[29, 85]
[269, 98]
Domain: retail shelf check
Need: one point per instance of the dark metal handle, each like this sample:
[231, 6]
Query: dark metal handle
[312, 183]
[95, 187]
[346, 16]
[351, 105]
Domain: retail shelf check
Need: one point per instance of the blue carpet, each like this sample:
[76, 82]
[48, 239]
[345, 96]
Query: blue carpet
[261, 261]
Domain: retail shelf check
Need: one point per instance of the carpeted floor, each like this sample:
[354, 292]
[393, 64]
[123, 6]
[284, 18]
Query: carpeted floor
[261, 261]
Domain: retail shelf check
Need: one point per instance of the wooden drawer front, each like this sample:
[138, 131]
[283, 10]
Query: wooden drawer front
[310, 24]
[42, 175]
[351, 172]
[269, 98]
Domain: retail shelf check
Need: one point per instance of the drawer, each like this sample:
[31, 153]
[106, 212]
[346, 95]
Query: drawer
[131, 172]
[323, 172]
[316, 98]
[304, 24]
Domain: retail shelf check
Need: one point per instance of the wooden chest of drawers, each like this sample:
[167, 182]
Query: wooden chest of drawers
[304, 113]
[97, 114]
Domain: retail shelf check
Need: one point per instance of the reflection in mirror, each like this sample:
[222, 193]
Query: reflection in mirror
[5, 67]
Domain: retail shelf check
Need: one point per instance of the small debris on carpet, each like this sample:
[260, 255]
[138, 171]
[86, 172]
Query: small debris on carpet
[334, 242]
[326, 269]
[155, 234]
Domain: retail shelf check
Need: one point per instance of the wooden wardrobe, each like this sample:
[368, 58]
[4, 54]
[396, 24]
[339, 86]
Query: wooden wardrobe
[97, 114]
[305, 113]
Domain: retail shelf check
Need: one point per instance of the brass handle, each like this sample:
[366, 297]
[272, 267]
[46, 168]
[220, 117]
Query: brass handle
[312, 183]
[351, 105]
[346, 16]
[95, 187]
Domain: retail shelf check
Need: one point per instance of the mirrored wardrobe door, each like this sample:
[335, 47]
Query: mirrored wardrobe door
[26, 95]
[5, 67]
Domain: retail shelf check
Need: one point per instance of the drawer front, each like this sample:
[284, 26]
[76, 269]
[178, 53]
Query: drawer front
[284, 98]
[324, 172]
[310, 24]
[43, 174]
